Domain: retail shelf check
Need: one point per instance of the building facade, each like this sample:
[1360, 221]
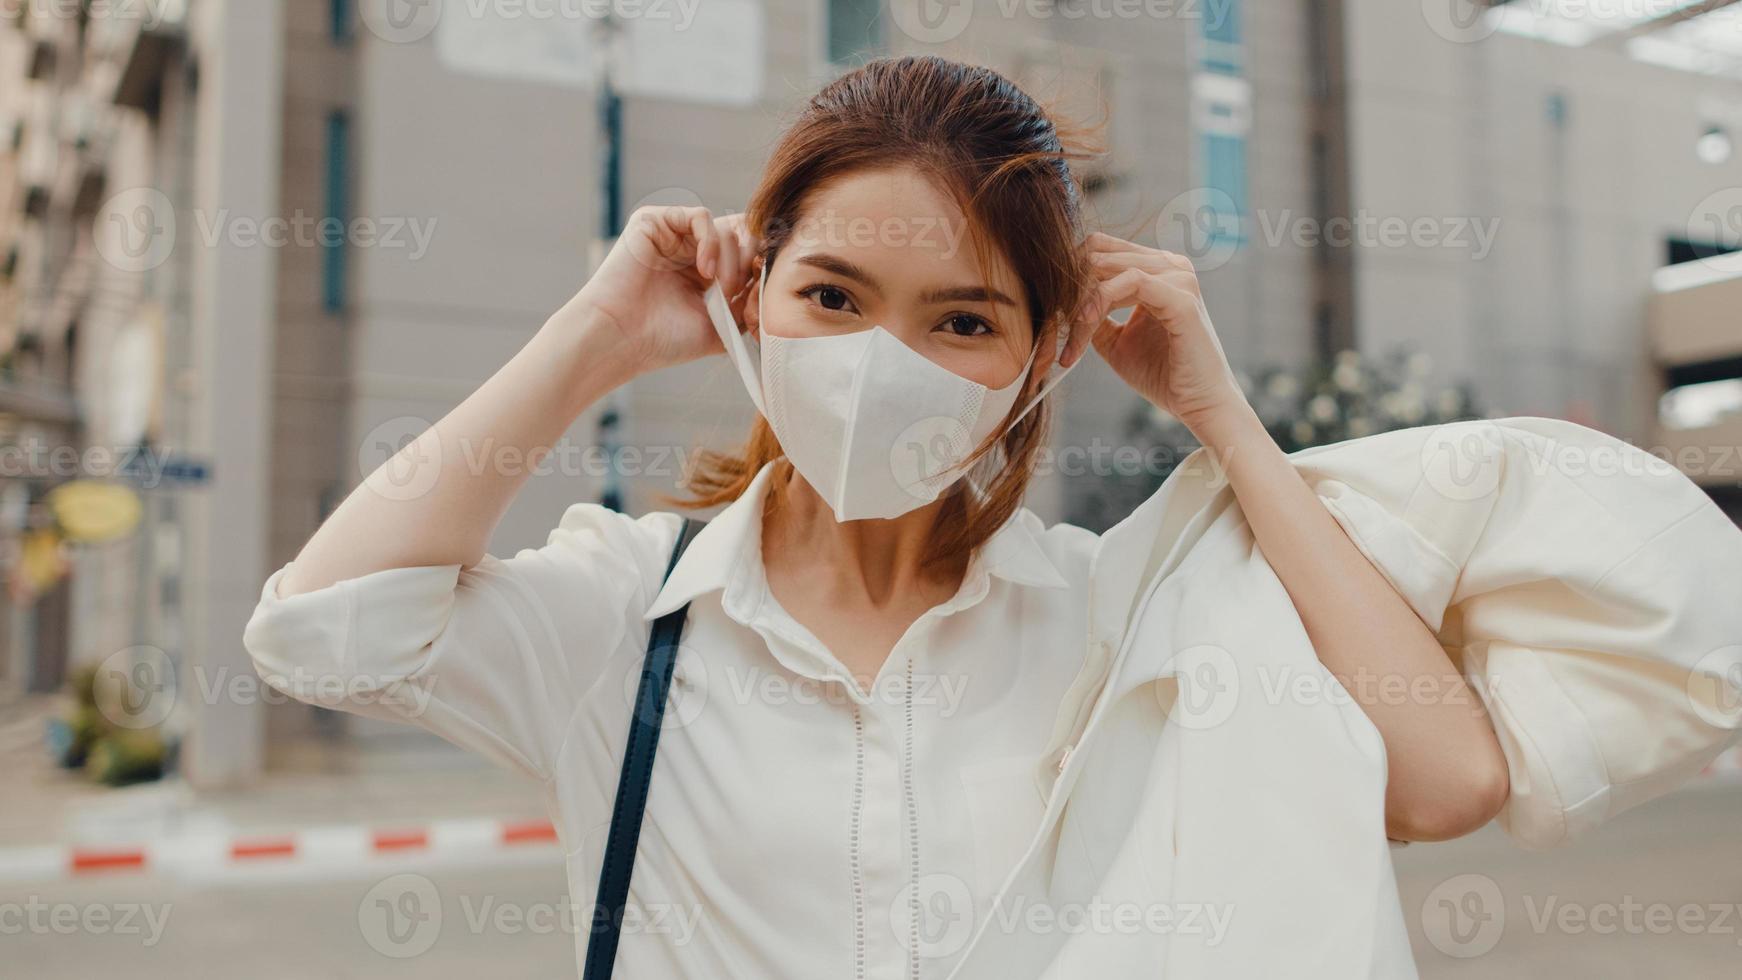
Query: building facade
[268, 242]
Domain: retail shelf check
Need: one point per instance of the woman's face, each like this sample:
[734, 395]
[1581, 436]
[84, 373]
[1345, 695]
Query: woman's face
[888, 248]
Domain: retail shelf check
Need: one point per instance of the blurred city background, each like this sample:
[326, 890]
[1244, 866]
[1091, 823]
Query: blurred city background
[249, 247]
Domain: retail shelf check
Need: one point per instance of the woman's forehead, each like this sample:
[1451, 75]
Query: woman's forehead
[896, 227]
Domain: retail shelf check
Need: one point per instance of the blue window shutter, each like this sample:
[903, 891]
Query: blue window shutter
[341, 13]
[1225, 171]
[1222, 118]
[339, 208]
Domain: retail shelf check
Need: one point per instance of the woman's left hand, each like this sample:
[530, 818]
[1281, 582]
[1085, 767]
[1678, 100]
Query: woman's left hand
[1167, 350]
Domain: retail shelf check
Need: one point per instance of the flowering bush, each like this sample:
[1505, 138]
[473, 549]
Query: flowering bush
[1347, 397]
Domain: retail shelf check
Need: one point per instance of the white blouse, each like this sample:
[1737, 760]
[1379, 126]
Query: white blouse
[797, 825]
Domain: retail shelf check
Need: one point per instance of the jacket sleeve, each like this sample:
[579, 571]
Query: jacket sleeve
[492, 657]
[1587, 589]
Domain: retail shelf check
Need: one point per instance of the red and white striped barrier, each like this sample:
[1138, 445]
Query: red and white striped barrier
[348, 847]
[330, 846]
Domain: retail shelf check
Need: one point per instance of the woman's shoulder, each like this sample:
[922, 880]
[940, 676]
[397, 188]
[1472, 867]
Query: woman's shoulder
[641, 544]
[1071, 549]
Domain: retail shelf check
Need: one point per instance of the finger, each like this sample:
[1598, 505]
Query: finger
[1148, 259]
[1076, 341]
[736, 227]
[701, 227]
[1121, 290]
[1164, 296]
[1100, 241]
[1105, 336]
[726, 269]
[657, 225]
[1166, 300]
[1178, 261]
[748, 248]
[672, 231]
[1081, 326]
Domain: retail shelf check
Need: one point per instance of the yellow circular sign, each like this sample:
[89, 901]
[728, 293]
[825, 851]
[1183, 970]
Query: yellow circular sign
[94, 511]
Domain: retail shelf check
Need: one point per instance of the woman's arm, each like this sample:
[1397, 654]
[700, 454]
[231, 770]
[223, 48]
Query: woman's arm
[438, 499]
[1447, 773]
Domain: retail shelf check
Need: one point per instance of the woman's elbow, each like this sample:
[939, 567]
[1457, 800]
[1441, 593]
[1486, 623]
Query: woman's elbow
[1464, 799]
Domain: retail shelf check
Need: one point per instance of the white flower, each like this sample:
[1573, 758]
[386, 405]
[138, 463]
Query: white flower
[1409, 404]
[1322, 408]
[1347, 376]
[1302, 431]
[1282, 385]
[1350, 357]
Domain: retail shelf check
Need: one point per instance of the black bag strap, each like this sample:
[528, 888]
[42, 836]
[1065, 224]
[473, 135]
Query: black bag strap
[644, 722]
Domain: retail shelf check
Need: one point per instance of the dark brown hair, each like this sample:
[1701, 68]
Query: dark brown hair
[1002, 157]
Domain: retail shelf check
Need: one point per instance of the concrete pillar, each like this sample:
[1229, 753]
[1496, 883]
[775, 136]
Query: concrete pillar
[239, 45]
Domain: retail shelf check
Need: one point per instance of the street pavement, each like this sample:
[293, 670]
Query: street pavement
[1621, 904]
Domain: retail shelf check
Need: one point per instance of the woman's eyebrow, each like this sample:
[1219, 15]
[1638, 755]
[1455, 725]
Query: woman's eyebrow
[840, 267]
[943, 294]
[965, 294]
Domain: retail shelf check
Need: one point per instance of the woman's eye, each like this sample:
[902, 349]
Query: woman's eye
[963, 325]
[830, 298]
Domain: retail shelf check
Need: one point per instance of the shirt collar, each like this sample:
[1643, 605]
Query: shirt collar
[728, 552]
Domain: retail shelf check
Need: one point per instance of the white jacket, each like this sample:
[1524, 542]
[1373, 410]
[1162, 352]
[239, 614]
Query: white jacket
[1588, 590]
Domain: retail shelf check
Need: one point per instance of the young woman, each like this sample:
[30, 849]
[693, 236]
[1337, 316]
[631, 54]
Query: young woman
[876, 643]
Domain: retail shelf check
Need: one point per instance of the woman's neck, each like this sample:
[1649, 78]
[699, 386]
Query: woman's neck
[876, 562]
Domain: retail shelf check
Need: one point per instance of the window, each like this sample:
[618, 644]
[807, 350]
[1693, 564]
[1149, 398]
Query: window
[338, 207]
[1225, 171]
[1222, 118]
[340, 12]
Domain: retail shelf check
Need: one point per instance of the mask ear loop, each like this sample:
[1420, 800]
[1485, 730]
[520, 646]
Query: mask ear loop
[748, 361]
[975, 479]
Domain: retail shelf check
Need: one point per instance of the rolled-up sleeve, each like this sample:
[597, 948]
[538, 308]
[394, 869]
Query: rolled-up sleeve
[1586, 589]
[493, 657]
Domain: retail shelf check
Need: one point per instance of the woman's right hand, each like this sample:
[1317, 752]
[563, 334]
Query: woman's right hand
[648, 291]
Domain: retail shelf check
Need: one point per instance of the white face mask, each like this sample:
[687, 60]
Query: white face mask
[873, 426]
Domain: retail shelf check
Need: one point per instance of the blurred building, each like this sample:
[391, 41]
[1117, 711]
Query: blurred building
[266, 362]
[137, 341]
[1595, 141]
